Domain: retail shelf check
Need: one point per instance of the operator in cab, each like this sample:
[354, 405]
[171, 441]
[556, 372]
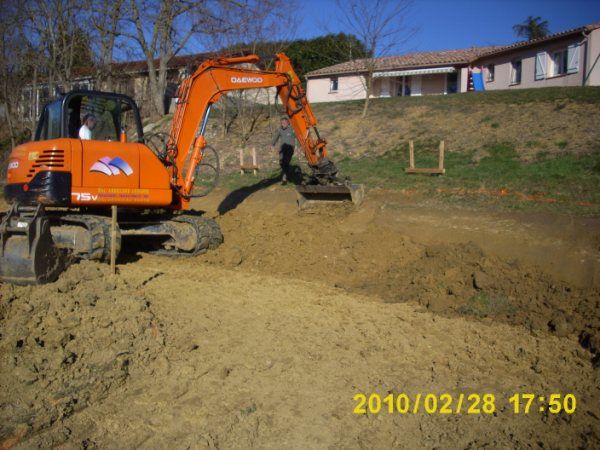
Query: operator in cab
[287, 138]
[89, 122]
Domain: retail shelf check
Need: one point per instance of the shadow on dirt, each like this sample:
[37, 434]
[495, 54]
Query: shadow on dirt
[234, 198]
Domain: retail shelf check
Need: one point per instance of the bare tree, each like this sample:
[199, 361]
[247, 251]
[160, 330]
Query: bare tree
[381, 25]
[20, 64]
[9, 68]
[259, 27]
[105, 20]
[162, 28]
[53, 26]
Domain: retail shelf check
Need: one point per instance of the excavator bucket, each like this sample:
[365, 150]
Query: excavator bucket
[27, 252]
[314, 194]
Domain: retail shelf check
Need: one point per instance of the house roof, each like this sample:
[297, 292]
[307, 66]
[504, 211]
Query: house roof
[410, 60]
[549, 38]
[140, 66]
[452, 57]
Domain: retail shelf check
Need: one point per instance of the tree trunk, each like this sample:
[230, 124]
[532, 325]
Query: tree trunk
[34, 86]
[369, 90]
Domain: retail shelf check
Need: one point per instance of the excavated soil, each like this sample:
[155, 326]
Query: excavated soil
[264, 342]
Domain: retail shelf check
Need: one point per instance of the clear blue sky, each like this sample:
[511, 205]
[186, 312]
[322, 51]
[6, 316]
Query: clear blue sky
[451, 24]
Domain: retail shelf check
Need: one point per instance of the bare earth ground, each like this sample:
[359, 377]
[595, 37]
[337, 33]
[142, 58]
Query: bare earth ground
[264, 342]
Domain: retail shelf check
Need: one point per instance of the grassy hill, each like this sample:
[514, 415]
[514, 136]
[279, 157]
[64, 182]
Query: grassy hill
[535, 148]
[525, 148]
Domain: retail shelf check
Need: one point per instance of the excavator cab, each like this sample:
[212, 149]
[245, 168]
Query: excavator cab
[62, 118]
[88, 150]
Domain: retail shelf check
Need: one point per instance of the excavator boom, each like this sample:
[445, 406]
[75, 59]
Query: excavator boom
[216, 77]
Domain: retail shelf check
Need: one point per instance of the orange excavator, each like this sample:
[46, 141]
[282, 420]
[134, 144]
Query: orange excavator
[60, 186]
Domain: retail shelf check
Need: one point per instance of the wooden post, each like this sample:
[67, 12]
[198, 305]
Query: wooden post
[254, 165]
[242, 161]
[411, 154]
[113, 240]
[441, 158]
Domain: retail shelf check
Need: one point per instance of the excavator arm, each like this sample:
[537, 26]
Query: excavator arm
[216, 77]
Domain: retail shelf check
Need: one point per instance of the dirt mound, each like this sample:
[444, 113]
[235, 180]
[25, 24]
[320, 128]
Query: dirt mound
[261, 361]
[363, 251]
[265, 342]
[69, 344]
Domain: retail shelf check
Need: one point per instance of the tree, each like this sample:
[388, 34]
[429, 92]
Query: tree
[105, 18]
[163, 28]
[532, 28]
[380, 25]
[312, 54]
[53, 32]
[260, 27]
[9, 67]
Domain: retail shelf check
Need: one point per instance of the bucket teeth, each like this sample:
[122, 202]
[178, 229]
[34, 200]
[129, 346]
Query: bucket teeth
[318, 194]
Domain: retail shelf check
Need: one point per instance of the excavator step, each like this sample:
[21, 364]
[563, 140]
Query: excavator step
[311, 194]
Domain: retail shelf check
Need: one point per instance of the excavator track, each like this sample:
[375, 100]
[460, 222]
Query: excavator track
[96, 245]
[206, 233]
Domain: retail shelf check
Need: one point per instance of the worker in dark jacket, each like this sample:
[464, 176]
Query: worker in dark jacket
[287, 138]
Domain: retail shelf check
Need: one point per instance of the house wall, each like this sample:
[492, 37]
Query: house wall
[463, 79]
[433, 84]
[503, 68]
[350, 87]
[593, 55]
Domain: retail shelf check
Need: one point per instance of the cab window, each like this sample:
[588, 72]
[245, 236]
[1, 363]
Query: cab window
[105, 111]
[110, 115]
[49, 127]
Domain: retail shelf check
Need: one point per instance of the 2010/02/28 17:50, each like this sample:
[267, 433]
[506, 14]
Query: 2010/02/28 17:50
[472, 403]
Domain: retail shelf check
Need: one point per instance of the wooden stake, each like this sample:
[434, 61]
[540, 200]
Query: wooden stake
[254, 165]
[411, 154]
[113, 240]
[242, 161]
[441, 158]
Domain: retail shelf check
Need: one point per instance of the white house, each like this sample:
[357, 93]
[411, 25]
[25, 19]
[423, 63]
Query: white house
[569, 58]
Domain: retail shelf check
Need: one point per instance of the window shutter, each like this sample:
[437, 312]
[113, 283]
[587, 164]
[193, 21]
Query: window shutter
[573, 58]
[540, 65]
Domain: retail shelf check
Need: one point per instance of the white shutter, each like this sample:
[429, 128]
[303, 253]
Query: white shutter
[573, 58]
[540, 65]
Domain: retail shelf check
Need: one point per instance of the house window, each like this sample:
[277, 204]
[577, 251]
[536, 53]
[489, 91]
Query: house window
[559, 62]
[573, 58]
[540, 65]
[491, 72]
[515, 73]
[333, 84]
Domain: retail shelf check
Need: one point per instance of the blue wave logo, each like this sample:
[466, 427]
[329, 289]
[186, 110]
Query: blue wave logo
[111, 167]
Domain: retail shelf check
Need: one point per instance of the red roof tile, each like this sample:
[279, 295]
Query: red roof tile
[551, 37]
[140, 66]
[421, 59]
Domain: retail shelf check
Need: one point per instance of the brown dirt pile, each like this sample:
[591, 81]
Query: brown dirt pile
[69, 344]
[363, 251]
[259, 361]
[264, 342]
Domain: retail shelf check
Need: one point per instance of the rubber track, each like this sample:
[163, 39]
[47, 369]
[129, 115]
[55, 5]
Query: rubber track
[99, 229]
[208, 232]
